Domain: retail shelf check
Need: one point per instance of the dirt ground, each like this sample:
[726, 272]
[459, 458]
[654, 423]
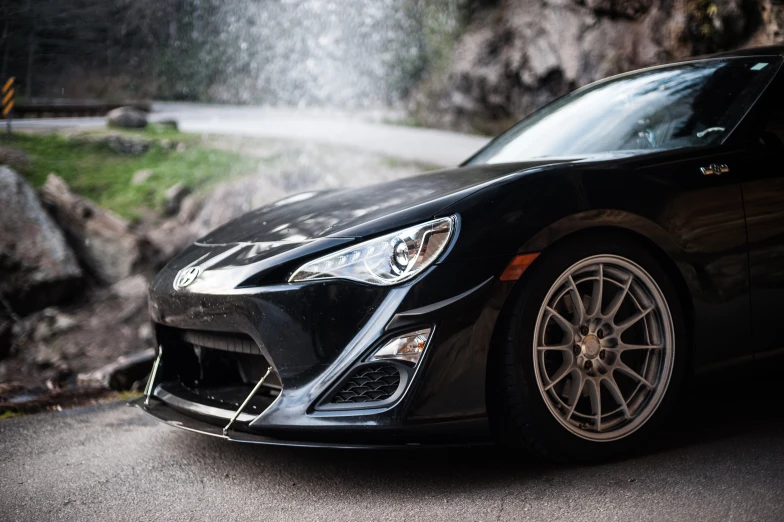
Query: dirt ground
[100, 326]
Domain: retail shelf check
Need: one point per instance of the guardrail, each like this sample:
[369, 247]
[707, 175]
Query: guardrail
[72, 109]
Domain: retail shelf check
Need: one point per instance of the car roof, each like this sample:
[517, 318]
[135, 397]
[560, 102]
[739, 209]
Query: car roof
[768, 50]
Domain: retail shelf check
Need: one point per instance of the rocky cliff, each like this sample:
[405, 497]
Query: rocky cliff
[516, 55]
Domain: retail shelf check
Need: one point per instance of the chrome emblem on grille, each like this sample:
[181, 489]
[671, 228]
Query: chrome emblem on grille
[186, 276]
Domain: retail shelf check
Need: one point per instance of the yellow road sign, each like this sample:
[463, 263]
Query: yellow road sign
[8, 97]
[8, 84]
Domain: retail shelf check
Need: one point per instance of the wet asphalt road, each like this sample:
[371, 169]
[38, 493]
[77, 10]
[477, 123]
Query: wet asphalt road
[717, 461]
[720, 459]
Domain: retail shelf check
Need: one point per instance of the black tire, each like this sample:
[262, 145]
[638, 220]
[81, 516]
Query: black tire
[525, 420]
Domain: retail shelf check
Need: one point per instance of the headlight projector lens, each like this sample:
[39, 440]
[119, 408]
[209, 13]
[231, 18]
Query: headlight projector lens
[400, 253]
[385, 260]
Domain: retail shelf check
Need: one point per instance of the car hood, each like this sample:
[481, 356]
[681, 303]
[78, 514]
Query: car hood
[360, 212]
[238, 253]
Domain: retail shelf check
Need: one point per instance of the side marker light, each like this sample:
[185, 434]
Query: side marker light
[517, 266]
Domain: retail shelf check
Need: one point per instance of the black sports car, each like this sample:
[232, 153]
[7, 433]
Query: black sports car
[554, 291]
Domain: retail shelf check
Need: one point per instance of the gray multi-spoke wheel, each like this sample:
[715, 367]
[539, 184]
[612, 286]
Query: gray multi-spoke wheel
[595, 349]
[603, 347]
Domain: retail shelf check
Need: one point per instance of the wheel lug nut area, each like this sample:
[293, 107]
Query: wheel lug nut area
[584, 329]
[588, 365]
[590, 346]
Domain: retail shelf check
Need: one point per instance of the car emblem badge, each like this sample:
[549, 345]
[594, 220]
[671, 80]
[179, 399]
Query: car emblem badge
[186, 276]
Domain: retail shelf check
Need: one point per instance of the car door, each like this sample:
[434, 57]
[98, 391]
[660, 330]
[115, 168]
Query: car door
[763, 195]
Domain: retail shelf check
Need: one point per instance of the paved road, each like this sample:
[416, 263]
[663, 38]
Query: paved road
[720, 460]
[365, 131]
[112, 462]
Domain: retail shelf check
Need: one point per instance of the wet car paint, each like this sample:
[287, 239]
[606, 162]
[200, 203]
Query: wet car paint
[313, 333]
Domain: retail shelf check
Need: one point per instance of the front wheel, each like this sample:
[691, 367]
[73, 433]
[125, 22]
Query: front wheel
[595, 350]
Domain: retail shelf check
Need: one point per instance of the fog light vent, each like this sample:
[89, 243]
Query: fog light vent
[369, 384]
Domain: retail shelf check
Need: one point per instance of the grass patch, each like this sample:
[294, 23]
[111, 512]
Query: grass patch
[9, 414]
[128, 396]
[104, 176]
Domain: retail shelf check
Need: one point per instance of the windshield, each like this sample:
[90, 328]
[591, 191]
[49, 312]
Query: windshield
[672, 107]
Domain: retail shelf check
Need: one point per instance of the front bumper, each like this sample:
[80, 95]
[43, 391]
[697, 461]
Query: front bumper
[428, 438]
[314, 334]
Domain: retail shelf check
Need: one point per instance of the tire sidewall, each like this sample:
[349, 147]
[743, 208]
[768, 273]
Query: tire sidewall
[538, 421]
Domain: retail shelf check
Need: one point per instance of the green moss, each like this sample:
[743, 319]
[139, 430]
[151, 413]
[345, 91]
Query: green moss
[104, 176]
[9, 414]
[128, 396]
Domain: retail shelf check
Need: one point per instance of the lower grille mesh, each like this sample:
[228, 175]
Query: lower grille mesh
[369, 384]
[236, 343]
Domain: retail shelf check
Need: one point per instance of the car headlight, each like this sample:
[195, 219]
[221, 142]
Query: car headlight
[385, 260]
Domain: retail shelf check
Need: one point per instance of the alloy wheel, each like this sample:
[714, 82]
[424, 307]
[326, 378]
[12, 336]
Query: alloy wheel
[603, 348]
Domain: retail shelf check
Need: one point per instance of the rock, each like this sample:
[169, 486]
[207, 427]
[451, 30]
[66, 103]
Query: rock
[230, 200]
[140, 176]
[118, 143]
[22, 327]
[189, 208]
[129, 145]
[15, 158]
[134, 287]
[620, 8]
[145, 334]
[169, 239]
[180, 147]
[514, 57]
[50, 322]
[46, 356]
[6, 334]
[122, 373]
[9, 390]
[60, 376]
[131, 310]
[174, 196]
[37, 267]
[127, 118]
[101, 239]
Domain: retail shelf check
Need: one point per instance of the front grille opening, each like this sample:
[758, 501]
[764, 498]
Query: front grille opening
[368, 384]
[217, 370]
[226, 378]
